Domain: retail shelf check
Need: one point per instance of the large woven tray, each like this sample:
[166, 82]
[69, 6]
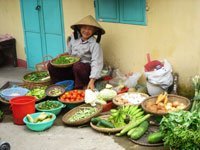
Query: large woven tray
[171, 98]
[66, 117]
[143, 140]
[105, 130]
[63, 65]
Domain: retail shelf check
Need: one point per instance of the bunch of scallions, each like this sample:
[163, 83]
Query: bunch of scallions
[196, 99]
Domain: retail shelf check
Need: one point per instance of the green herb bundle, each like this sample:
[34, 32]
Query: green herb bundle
[196, 99]
[181, 130]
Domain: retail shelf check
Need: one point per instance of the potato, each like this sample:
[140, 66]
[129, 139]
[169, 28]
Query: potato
[175, 103]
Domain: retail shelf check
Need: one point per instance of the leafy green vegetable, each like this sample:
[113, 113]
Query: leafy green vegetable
[196, 99]
[36, 76]
[37, 92]
[107, 94]
[47, 105]
[181, 130]
[65, 60]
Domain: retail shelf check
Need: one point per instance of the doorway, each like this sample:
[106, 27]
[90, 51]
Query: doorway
[43, 29]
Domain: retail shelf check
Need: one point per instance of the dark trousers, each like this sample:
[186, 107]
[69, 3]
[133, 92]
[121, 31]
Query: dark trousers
[79, 72]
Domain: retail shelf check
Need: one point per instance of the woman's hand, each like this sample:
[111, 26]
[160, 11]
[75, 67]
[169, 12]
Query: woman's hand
[91, 84]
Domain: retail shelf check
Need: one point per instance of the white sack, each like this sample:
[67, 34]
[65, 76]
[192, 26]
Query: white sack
[162, 77]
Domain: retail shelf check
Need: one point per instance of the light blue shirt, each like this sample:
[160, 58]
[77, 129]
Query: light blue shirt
[89, 52]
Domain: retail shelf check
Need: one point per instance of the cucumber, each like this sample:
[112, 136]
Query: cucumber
[132, 125]
[30, 119]
[140, 130]
[105, 123]
[130, 131]
[95, 120]
[155, 137]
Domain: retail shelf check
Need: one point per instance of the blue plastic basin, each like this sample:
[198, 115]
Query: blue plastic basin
[40, 126]
[67, 84]
[10, 93]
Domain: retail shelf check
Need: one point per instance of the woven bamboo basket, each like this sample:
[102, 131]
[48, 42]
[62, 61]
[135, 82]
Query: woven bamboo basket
[66, 117]
[64, 65]
[105, 130]
[71, 102]
[32, 84]
[171, 98]
[120, 95]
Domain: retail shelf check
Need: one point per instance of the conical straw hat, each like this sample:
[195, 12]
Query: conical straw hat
[89, 20]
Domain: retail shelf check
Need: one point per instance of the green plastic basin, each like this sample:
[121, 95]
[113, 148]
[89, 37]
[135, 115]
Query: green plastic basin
[40, 126]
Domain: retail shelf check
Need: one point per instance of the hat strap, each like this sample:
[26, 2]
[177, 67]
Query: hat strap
[76, 32]
[98, 37]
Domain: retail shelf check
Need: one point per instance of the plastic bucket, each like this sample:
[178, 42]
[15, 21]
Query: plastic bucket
[21, 106]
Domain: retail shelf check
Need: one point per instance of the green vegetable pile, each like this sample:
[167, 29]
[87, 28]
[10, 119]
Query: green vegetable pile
[65, 60]
[36, 76]
[196, 99]
[181, 130]
[37, 92]
[83, 113]
[47, 105]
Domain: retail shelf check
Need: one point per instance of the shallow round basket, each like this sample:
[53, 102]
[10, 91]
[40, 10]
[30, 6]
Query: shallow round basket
[171, 98]
[71, 102]
[44, 82]
[118, 104]
[37, 99]
[66, 117]
[105, 130]
[64, 65]
[143, 140]
[75, 102]
[51, 88]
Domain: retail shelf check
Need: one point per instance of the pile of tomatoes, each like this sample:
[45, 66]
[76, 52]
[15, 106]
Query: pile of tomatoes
[73, 96]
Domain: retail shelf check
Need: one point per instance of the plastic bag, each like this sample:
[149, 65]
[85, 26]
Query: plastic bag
[118, 78]
[162, 77]
[132, 80]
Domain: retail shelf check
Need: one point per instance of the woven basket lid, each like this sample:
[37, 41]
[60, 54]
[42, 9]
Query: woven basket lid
[89, 20]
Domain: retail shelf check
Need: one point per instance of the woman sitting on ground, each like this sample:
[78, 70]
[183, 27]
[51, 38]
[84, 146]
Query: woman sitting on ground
[82, 44]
